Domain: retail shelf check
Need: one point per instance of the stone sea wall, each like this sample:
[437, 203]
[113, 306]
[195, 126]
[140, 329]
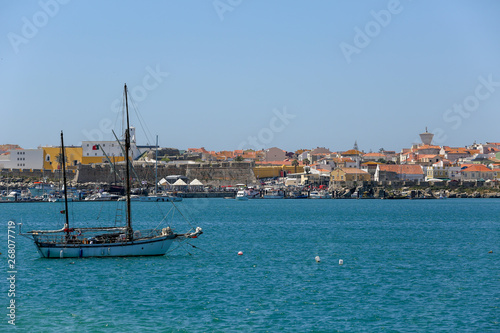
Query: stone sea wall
[218, 174]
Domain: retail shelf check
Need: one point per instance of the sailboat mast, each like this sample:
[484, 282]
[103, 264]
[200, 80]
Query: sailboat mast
[127, 182]
[63, 157]
[156, 167]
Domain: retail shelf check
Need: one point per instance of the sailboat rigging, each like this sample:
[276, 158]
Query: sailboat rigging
[113, 241]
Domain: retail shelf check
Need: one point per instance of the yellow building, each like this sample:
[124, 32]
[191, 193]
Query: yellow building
[349, 174]
[50, 157]
[101, 159]
[269, 171]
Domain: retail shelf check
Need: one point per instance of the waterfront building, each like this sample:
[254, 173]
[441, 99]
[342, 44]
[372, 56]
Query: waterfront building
[51, 157]
[479, 172]
[108, 151]
[349, 174]
[275, 169]
[389, 172]
[370, 167]
[443, 170]
[23, 159]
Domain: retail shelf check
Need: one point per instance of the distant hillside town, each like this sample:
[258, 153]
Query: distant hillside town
[424, 161]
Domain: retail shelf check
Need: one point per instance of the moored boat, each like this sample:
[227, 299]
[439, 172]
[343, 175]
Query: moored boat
[271, 193]
[111, 241]
[241, 195]
[320, 195]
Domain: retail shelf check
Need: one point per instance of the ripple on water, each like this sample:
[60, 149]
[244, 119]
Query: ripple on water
[408, 266]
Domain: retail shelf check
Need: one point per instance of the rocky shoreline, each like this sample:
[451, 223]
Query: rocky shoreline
[427, 193]
[345, 192]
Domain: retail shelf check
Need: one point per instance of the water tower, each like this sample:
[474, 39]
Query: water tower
[426, 137]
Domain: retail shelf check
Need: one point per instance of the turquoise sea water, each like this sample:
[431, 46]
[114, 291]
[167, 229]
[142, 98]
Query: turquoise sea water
[409, 265]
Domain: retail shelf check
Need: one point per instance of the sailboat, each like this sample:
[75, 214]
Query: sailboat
[75, 242]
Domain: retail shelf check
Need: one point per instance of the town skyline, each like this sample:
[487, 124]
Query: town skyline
[208, 149]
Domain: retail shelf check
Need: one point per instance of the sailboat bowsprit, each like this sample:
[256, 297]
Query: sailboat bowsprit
[108, 241]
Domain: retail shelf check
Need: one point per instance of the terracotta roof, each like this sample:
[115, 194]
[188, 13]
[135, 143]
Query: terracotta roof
[478, 167]
[428, 147]
[197, 150]
[457, 151]
[225, 153]
[352, 152]
[409, 169]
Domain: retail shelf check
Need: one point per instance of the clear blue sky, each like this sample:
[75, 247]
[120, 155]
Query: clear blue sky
[233, 65]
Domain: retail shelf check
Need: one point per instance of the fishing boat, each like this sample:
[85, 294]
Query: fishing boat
[272, 193]
[124, 241]
[252, 193]
[40, 189]
[241, 195]
[297, 195]
[320, 195]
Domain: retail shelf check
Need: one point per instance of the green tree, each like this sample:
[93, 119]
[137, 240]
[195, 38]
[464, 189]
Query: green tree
[306, 161]
[239, 158]
[295, 164]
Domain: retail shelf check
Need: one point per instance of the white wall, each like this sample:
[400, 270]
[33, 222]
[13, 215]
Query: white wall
[24, 159]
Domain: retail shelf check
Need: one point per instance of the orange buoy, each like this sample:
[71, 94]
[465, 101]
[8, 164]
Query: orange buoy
[240, 253]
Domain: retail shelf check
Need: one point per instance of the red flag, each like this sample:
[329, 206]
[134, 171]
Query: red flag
[95, 147]
[63, 211]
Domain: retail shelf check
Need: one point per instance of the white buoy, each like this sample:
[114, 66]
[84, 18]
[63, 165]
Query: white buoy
[240, 253]
[317, 258]
[61, 255]
[341, 262]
